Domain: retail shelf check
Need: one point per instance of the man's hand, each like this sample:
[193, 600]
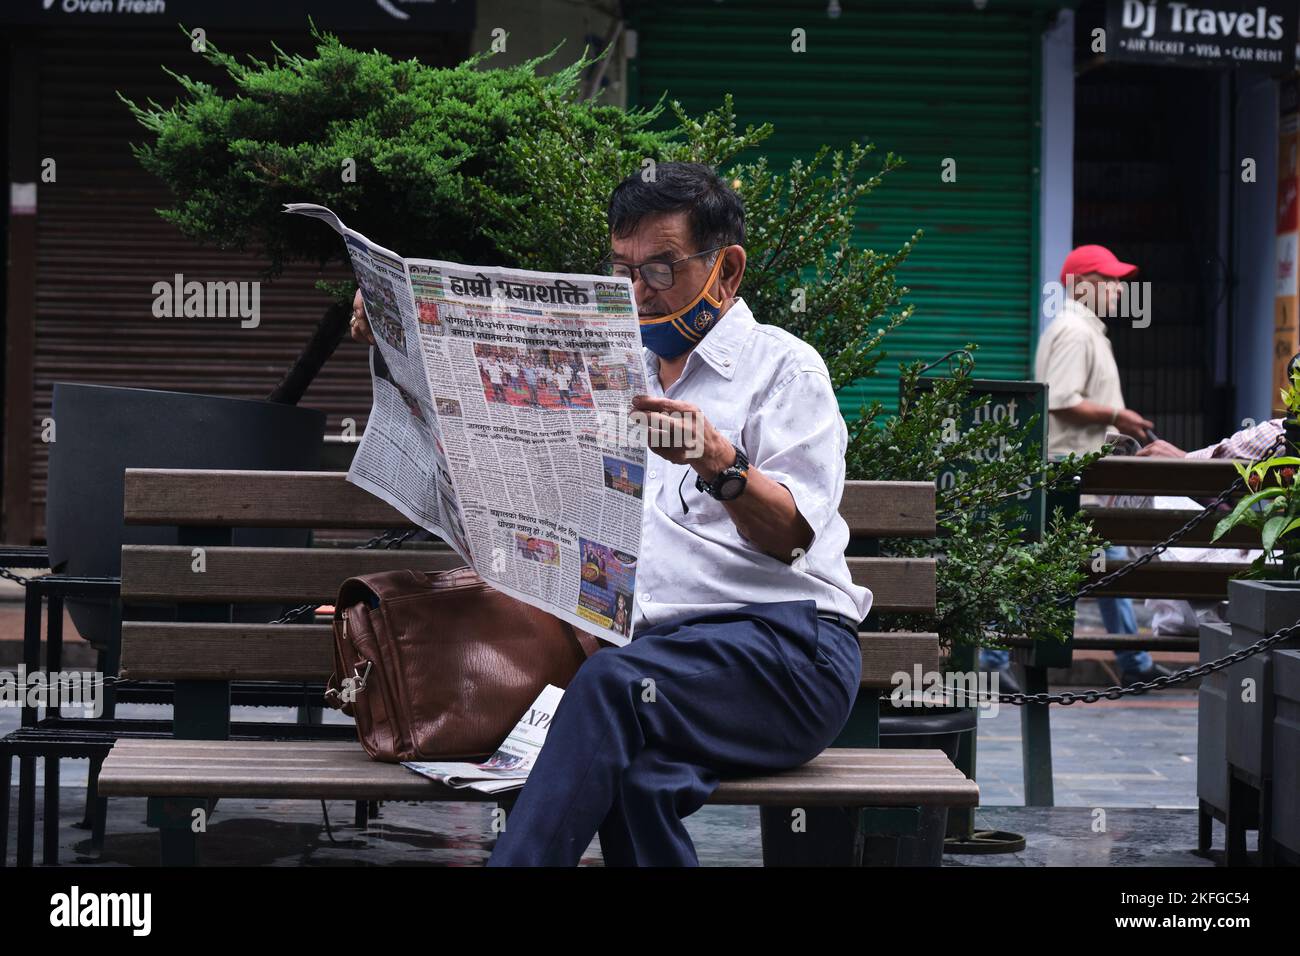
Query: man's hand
[360, 327]
[680, 433]
[1161, 449]
[1131, 423]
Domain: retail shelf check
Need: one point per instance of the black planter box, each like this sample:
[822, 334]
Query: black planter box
[1256, 609]
[103, 430]
[1286, 750]
[1212, 720]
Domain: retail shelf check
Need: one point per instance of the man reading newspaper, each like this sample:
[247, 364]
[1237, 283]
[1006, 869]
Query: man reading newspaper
[744, 655]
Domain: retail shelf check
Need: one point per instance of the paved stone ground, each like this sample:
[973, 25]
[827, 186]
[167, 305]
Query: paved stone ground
[1133, 762]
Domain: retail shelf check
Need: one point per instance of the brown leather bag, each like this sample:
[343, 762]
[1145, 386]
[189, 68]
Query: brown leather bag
[441, 666]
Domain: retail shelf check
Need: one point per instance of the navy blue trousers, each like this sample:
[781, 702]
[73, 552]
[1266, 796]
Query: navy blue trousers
[645, 732]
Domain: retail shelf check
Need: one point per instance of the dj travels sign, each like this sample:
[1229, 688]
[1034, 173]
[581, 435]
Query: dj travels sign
[1211, 33]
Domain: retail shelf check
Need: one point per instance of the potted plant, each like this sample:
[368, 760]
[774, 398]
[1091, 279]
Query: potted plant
[1271, 504]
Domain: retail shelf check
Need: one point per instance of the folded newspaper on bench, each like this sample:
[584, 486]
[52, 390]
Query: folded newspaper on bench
[508, 768]
[500, 423]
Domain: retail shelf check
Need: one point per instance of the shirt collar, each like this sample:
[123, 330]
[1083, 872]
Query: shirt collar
[1085, 313]
[721, 347]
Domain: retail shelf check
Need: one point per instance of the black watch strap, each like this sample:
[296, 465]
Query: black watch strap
[737, 468]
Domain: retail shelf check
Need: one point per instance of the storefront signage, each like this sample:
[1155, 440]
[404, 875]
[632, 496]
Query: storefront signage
[419, 15]
[1249, 34]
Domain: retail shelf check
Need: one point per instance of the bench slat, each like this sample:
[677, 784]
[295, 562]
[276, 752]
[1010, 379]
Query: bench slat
[324, 499]
[1186, 580]
[165, 573]
[1120, 475]
[178, 651]
[886, 654]
[252, 499]
[134, 748]
[1136, 642]
[1143, 526]
[885, 509]
[169, 650]
[304, 770]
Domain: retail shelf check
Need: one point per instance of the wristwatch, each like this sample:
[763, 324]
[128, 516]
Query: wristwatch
[730, 483]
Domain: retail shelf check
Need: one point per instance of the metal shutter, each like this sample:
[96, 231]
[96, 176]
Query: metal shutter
[101, 246]
[925, 81]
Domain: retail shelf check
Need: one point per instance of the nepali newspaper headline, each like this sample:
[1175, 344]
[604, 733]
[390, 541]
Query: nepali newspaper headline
[500, 423]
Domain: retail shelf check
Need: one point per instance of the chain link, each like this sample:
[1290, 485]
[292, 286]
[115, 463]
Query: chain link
[390, 539]
[1238, 484]
[1187, 674]
[1141, 687]
[18, 578]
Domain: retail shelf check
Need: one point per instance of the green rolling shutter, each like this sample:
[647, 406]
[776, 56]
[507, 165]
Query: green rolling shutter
[924, 81]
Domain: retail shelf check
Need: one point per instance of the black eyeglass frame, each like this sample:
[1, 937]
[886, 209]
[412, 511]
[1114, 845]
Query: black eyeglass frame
[607, 266]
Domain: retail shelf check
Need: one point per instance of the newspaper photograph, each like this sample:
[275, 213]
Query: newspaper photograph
[499, 423]
[508, 768]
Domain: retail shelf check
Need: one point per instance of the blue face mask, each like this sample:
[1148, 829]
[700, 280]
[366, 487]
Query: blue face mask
[668, 336]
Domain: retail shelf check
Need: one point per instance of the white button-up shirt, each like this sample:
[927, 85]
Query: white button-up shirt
[769, 393]
[1076, 360]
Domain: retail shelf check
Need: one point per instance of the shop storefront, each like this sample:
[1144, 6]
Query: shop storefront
[84, 243]
[950, 87]
[1175, 146]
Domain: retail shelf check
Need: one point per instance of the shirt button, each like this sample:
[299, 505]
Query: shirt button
[652, 474]
[726, 362]
[645, 599]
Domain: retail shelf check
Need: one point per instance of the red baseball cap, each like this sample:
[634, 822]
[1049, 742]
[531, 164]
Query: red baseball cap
[1099, 259]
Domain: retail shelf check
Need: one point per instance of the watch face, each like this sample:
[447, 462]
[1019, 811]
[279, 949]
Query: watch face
[731, 488]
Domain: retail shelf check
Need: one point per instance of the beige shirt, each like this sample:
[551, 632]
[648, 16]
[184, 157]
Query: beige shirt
[1077, 362]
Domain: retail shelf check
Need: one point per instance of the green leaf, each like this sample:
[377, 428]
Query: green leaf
[1272, 529]
[1243, 506]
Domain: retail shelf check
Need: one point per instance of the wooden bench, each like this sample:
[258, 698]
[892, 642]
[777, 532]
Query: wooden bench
[1182, 580]
[204, 652]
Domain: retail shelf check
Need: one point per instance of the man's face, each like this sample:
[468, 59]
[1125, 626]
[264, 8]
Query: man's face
[1101, 292]
[663, 237]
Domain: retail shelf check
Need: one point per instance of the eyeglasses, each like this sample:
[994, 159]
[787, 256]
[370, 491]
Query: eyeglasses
[657, 275]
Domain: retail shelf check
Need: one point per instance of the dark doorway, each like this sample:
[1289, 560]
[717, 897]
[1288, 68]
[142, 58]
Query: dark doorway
[1146, 147]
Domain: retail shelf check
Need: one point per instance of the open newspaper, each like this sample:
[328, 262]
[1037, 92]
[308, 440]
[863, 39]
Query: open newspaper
[499, 423]
[508, 768]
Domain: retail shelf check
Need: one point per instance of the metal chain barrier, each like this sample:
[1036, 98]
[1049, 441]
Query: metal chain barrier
[1141, 687]
[392, 538]
[1187, 674]
[18, 578]
[1237, 484]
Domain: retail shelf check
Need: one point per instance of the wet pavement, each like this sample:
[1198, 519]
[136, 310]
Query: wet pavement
[1124, 773]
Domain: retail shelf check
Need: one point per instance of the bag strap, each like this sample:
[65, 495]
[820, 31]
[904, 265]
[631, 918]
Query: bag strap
[589, 643]
[390, 583]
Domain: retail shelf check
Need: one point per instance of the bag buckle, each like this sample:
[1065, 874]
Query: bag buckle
[351, 686]
[358, 679]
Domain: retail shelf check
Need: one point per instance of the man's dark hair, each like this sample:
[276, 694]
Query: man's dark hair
[716, 214]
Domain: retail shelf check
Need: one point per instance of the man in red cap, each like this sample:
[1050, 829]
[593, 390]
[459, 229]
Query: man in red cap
[1076, 360]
